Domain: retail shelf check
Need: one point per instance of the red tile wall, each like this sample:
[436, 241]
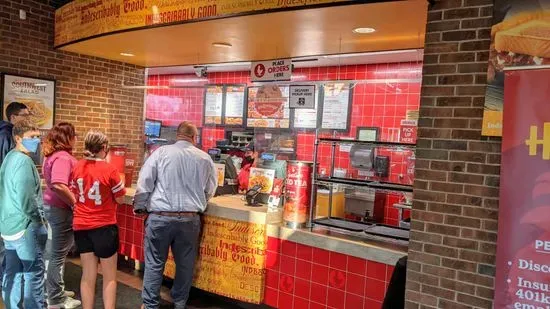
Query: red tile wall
[300, 276]
[131, 233]
[381, 102]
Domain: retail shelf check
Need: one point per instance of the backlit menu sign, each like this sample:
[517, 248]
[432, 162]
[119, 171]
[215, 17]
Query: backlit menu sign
[268, 107]
[234, 105]
[213, 103]
[273, 70]
[336, 106]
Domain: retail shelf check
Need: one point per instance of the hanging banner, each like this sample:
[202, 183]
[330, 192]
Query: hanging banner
[81, 19]
[302, 97]
[231, 259]
[272, 70]
[523, 247]
[519, 38]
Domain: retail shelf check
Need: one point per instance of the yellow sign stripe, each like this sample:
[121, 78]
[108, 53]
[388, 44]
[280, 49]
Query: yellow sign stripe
[83, 19]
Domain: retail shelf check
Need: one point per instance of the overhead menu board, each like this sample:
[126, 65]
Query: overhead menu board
[336, 106]
[213, 105]
[234, 105]
[268, 107]
[307, 118]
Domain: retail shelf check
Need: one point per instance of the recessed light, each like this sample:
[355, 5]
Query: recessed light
[222, 44]
[364, 30]
[127, 54]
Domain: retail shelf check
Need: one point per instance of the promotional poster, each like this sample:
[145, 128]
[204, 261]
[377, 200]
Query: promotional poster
[523, 247]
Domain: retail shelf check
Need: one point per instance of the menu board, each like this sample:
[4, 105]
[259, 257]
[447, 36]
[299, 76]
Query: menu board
[234, 105]
[336, 106]
[307, 118]
[268, 107]
[213, 104]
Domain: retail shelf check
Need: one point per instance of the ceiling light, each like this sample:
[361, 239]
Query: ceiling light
[127, 54]
[364, 30]
[222, 44]
[40, 85]
[189, 80]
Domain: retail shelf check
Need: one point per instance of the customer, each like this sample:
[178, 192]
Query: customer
[98, 189]
[58, 204]
[174, 185]
[15, 111]
[21, 222]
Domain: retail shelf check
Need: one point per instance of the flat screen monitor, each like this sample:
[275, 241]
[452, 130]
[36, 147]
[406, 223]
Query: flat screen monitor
[152, 128]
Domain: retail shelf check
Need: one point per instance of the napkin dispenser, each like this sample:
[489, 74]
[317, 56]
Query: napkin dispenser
[362, 156]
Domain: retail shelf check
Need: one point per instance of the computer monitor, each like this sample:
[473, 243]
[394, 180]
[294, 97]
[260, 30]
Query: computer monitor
[152, 128]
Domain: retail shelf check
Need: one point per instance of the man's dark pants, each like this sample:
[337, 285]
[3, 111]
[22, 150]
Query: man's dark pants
[181, 234]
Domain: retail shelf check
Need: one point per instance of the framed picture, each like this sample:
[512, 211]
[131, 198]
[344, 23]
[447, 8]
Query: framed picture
[37, 94]
[368, 134]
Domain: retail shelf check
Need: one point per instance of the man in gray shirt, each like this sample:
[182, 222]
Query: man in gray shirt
[174, 186]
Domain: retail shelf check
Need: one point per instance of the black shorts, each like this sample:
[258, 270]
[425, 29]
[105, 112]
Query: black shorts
[103, 241]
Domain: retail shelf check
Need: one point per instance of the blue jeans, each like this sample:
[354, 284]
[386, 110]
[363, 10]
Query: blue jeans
[24, 272]
[181, 234]
[60, 221]
[1, 262]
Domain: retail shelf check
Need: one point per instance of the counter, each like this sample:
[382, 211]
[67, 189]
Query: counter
[291, 262]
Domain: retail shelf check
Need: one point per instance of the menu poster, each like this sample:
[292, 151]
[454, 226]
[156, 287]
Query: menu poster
[307, 118]
[213, 105]
[234, 105]
[220, 168]
[523, 242]
[262, 177]
[519, 38]
[336, 106]
[37, 94]
[268, 107]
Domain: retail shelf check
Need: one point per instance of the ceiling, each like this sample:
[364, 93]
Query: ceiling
[407, 55]
[308, 32]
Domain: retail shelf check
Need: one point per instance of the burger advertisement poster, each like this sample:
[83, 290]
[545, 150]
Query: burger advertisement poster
[520, 39]
[37, 94]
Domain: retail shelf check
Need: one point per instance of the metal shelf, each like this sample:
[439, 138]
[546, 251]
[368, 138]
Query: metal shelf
[374, 143]
[386, 186]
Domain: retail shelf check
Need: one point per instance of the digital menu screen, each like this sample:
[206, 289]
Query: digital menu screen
[234, 105]
[268, 107]
[213, 104]
[336, 105]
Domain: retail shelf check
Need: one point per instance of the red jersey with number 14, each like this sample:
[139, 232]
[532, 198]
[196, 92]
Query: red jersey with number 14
[95, 184]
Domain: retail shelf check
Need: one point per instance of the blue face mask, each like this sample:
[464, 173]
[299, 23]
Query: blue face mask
[31, 144]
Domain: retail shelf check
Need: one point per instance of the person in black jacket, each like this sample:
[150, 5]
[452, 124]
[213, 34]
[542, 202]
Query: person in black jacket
[14, 112]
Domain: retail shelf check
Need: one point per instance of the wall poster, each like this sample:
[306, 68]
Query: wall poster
[523, 246]
[307, 118]
[37, 94]
[519, 38]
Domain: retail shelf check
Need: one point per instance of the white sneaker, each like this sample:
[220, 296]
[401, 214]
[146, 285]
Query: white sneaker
[70, 303]
[70, 294]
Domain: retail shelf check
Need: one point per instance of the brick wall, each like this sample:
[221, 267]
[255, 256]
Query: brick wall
[452, 248]
[89, 92]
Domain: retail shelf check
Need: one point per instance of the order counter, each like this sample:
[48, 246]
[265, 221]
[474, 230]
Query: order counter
[247, 254]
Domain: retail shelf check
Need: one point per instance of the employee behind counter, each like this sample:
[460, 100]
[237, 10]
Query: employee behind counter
[237, 164]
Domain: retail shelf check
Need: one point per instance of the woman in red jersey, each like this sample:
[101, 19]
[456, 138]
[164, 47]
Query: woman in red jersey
[98, 189]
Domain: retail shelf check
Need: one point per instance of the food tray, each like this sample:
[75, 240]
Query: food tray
[386, 231]
[343, 224]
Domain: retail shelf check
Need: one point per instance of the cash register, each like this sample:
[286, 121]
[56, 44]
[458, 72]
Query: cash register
[230, 183]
